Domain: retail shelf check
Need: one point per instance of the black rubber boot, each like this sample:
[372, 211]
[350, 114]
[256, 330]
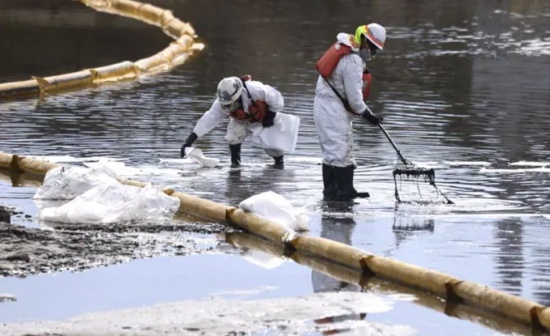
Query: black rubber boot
[235, 155]
[279, 160]
[344, 180]
[330, 189]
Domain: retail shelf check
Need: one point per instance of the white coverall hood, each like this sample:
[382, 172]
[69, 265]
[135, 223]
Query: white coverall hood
[346, 39]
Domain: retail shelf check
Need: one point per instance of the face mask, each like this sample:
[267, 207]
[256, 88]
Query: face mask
[236, 105]
[366, 55]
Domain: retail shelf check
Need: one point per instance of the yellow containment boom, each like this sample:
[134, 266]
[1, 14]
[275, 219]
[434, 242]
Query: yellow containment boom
[376, 285]
[175, 54]
[452, 289]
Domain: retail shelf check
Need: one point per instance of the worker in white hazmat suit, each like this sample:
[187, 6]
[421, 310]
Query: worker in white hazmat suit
[342, 89]
[251, 106]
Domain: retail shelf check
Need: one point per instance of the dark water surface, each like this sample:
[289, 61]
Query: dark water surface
[463, 87]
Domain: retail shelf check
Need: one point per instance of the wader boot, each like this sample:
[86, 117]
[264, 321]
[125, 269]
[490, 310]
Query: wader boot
[344, 180]
[235, 155]
[330, 189]
[279, 160]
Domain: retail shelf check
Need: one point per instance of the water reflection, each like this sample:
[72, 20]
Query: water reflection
[509, 260]
[329, 320]
[541, 278]
[405, 227]
[245, 182]
[340, 230]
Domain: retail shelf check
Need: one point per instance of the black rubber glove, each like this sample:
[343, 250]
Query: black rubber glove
[269, 119]
[371, 117]
[188, 143]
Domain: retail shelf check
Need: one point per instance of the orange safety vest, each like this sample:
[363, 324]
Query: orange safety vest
[256, 110]
[328, 62]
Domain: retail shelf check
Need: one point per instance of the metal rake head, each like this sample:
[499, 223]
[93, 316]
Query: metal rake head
[415, 172]
[409, 170]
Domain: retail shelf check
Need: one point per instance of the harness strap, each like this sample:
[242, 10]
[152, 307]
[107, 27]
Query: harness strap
[247, 92]
[344, 101]
[256, 110]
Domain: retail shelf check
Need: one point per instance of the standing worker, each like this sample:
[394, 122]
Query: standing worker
[252, 107]
[342, 89]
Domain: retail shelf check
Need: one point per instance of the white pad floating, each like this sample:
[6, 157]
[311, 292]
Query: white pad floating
[97, 197]
[197, 155]
[276, 208]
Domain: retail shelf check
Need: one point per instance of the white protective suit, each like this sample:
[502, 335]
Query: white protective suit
[333, 122]
[238, 130]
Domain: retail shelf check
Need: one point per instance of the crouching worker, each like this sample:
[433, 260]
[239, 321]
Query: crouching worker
[253, 109]
[342, 88]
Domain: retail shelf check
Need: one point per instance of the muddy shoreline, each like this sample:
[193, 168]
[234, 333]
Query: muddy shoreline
[26, 251]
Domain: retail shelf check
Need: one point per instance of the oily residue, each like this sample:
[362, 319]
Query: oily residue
[26, 251]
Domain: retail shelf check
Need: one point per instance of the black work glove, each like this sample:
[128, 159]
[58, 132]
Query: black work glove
[371, 117]
[188, 143]
[269, 119]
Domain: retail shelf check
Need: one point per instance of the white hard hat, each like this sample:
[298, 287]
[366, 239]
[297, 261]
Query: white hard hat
[376, 34]
[229, 90]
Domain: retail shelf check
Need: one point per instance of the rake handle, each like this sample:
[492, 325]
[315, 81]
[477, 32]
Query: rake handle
[405, 162]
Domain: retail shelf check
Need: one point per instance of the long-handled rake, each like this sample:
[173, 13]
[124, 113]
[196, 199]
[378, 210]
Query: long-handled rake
[409, 169]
